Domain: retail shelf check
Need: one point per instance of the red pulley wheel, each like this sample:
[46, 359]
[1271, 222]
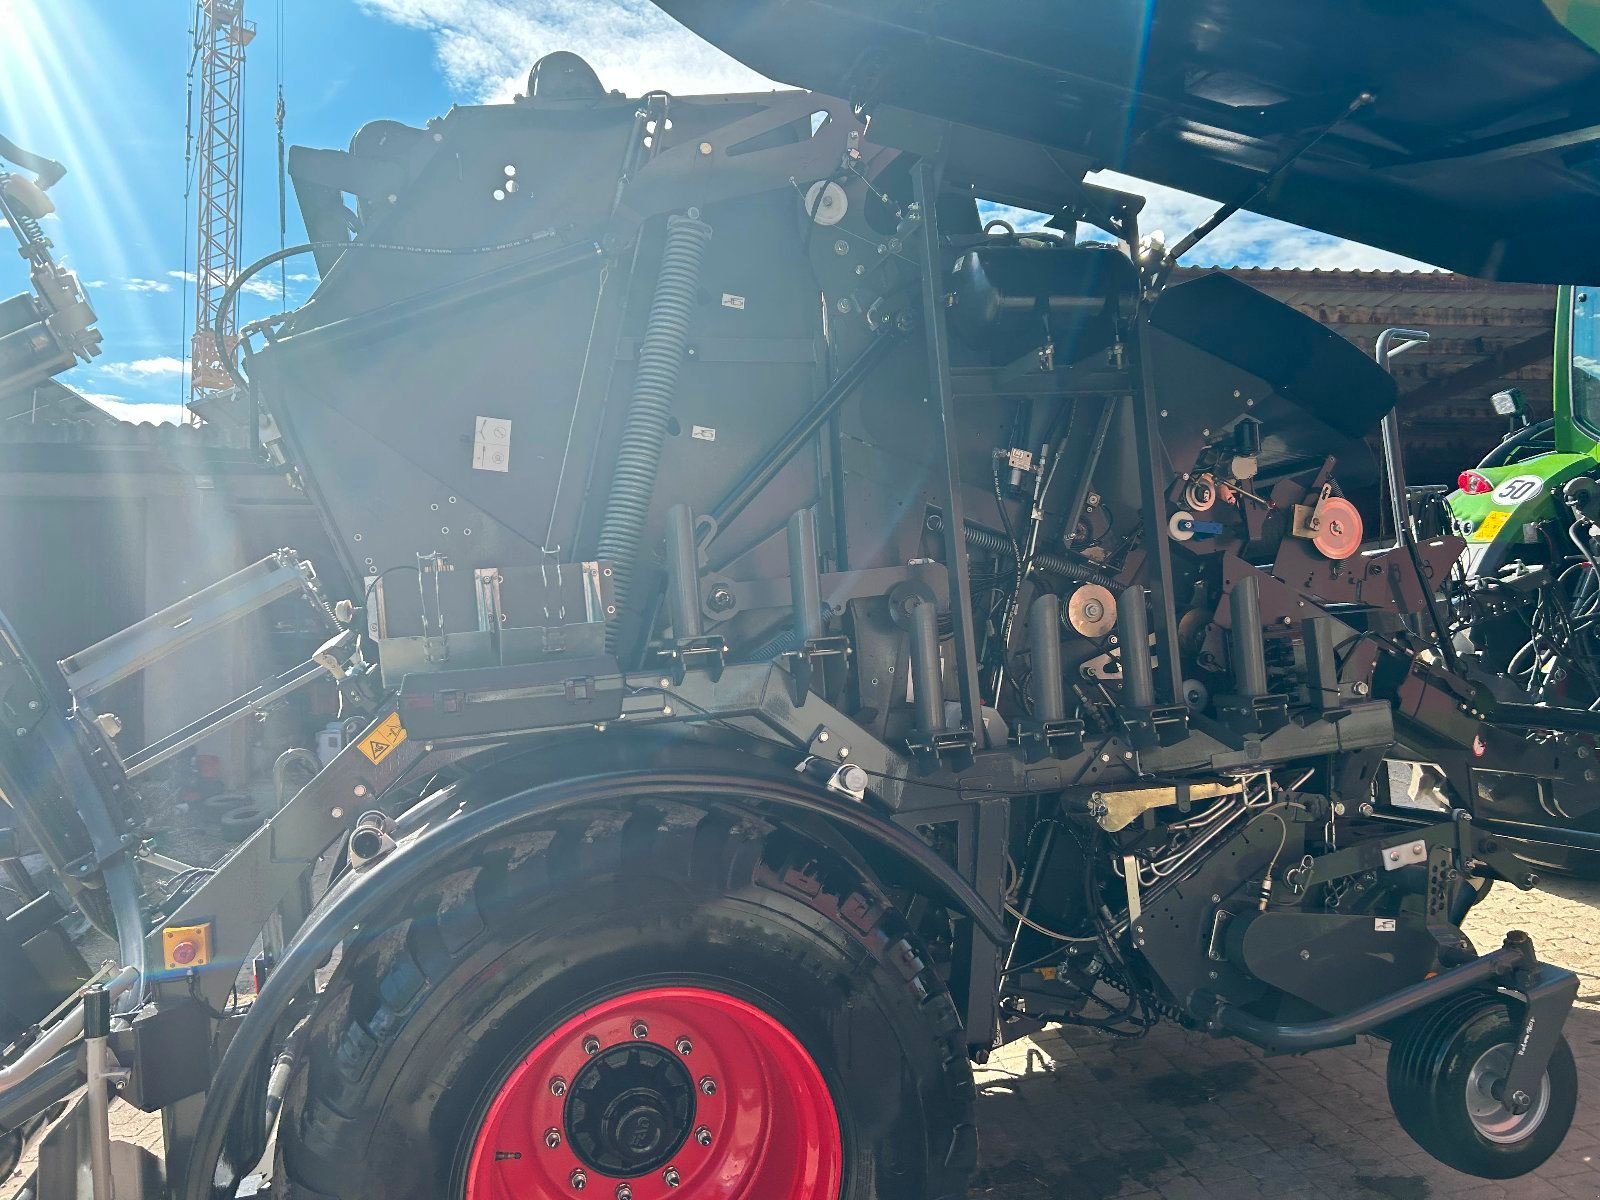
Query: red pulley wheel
[675, 1091]
[1340, 534]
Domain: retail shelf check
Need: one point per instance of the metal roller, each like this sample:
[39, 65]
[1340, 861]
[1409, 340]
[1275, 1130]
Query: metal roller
[683, 573]
[927, 676]
[805, 584]
[1249, 650]
[1133, 633]
[1044, 643]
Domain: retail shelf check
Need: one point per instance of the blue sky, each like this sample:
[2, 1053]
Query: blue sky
[100, 85]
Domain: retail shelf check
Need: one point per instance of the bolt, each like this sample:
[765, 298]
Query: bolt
[1366, 808]
[1362, 687]
[666, 710]
[336, 813]
[641, 1030]
[705, 149]
[844, 752]
[1305, 956]
[841, 247]
[558, 1086]
[360, 789]
[591, 1045]
[703, 1136]
[844, 305]
[1216, 898]
[671, 1177]
[624, 1192]
[721, 599]
[1521, 1102]
[1394, 856]
[685, 1046]
[552, 1137]
[1338, 808]
[708, 1086]
[823, 736]
[33, 706]
[578, 1180]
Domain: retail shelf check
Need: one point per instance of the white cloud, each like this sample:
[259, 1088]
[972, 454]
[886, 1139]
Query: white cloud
[186, 276]
[136, 284]
[94, 283]
[144, 368]
[486, 47]
[261, 287]
[299, 277]
[125, 410]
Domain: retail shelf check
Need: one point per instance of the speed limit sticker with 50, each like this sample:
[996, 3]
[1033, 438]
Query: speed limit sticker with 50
[1517, 489]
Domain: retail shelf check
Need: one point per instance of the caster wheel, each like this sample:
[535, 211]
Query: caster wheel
[1447, 1070]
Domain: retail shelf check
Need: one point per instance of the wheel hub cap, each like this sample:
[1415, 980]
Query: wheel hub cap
[630, 1109]
[1488, 1110]
[673, 1092]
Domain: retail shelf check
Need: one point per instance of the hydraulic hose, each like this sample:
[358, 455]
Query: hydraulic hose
[655, 383]
[1050, 564]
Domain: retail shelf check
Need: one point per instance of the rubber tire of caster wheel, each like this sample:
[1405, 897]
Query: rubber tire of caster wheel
[1431, 1061]
[425, 1024]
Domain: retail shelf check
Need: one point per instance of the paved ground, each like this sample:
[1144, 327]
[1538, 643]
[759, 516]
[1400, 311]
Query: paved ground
[1175, 1116]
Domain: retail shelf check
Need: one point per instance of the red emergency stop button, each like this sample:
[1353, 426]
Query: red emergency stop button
[185, 947]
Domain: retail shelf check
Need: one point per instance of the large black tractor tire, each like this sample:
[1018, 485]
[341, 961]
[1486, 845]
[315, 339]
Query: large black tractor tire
[486, 1045]
[1444, 1065]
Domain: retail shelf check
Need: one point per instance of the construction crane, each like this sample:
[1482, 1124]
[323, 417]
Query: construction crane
[221, 34]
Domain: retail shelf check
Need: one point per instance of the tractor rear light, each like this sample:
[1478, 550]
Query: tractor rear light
[1473, 484]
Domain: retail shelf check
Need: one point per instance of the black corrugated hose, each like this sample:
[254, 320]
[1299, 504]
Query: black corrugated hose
[655, 383]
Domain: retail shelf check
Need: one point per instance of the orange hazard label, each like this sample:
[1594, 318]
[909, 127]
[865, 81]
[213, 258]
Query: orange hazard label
[378, 742]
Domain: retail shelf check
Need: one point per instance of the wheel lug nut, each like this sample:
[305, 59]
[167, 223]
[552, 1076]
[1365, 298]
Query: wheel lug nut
[685, 1046]
[703, 1136]
[552, 1137]
[641, 1030]
[591, 1045]
[558, 1086]
[579, 1181]
[624, 1192]
[708, 1085]
[670, 1177]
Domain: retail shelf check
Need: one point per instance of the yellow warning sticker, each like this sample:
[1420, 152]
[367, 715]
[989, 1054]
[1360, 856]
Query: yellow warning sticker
[1491, 525]
[378, 743]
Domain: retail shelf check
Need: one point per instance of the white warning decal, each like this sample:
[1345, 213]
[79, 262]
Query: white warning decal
[491, 444]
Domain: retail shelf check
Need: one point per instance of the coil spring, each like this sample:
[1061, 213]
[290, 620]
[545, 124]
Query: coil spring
[655, 383]
[31, 230]
[1051, 564]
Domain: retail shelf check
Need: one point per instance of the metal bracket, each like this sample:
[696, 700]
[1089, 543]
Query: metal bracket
[708, 653]
[1163, 725]
[1048, 739]
[803, 663]
[1549, 992]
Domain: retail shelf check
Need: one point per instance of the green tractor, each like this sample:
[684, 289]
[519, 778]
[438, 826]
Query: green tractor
[1530, 515]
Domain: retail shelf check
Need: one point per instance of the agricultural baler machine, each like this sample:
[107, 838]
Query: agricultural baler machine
[806, 635]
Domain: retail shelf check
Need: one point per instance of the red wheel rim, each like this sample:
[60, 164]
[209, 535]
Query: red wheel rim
[664, 1092]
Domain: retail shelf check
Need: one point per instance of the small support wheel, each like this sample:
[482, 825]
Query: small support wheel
[1447, 1071]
